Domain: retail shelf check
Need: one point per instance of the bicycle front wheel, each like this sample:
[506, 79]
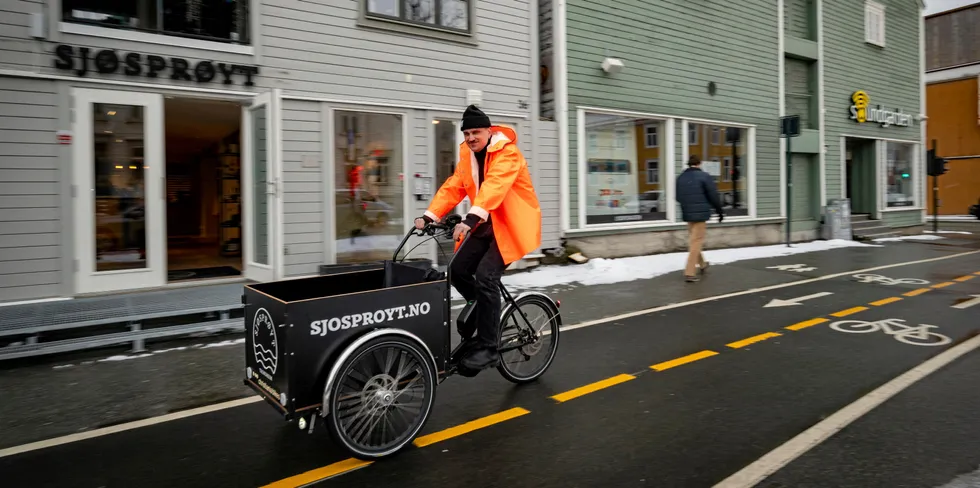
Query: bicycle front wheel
[528, 338]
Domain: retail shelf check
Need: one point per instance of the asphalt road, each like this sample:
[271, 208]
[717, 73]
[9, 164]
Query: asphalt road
[684, 396]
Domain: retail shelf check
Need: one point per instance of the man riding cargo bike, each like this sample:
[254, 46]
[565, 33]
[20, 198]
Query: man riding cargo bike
[363, 346]
[504, 221]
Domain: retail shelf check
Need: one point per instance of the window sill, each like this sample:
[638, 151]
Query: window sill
[902, 209]
[663, 225]
[134, 36]
[400, 27]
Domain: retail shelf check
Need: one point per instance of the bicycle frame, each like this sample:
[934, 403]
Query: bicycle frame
[447, 230]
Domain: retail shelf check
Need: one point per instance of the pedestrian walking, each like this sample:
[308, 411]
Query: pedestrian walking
[697, 194]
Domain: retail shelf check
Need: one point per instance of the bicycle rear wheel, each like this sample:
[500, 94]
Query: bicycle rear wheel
[528, 338]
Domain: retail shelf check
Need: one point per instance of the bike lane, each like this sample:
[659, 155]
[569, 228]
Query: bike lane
[250, 446]
[695, 423]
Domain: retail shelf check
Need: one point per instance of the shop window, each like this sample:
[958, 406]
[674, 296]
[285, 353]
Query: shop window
[623, 173]
[213, 20]
[874, 23]
[452, 15]
[726, 160]
[900, 179]
[368, 195]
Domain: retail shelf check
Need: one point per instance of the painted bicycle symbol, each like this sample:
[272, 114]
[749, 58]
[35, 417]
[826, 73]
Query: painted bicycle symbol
[917, 336]
[884, 280]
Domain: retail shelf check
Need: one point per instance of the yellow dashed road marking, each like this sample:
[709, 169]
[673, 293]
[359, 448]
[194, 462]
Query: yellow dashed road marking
[593, 387]
[808, 323]
[469, 427]
[753, 340]
[915, 293]
[961, 279]
[673, 363]
[943, 285]
[886, 301]
[850, 311]
[319, 474]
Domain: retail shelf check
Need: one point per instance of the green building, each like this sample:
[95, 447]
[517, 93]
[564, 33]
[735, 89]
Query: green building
[639, 86]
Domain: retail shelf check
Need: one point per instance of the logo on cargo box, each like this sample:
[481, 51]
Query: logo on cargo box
[320, 327]
[265, 344]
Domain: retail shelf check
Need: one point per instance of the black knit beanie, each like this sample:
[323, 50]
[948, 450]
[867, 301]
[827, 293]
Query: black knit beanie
[474, 118]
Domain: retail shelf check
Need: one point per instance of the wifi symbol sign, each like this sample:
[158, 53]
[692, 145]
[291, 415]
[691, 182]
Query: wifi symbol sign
[861, 100]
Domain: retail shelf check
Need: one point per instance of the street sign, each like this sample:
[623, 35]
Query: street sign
[790, 126]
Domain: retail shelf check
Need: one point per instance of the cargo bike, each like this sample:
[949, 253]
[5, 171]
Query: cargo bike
[363, 347]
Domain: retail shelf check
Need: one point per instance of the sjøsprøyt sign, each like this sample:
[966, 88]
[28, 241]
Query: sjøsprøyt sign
[863, 113]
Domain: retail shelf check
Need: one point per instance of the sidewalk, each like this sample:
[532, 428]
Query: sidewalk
[58, 396]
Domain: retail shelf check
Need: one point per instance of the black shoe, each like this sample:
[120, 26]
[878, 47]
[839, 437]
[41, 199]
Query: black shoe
[464, 348]
[481, 358]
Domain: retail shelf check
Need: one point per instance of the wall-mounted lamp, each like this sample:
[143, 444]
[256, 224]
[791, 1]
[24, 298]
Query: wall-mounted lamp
[612, 65]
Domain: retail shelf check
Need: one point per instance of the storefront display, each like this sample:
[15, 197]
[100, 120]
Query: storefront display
[899, 175]
[369, 193]
[724, 156]
[623, 169]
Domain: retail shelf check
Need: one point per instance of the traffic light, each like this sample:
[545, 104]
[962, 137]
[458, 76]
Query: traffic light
[936, 165]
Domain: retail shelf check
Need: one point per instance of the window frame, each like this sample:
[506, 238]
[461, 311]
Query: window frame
[874, 11]
[160, 36]
[646, 136]
[916, 170]
[329, 129]
[646, 170]
[367, 19]
[667, 172]
[750, 168]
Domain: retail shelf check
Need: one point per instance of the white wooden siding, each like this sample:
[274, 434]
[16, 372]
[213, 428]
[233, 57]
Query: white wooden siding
[30, 198]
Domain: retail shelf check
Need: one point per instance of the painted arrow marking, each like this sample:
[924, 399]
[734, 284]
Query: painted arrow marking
[795, 301]
[968, 303]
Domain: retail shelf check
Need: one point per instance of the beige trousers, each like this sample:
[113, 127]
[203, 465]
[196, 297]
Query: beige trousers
[696, 231]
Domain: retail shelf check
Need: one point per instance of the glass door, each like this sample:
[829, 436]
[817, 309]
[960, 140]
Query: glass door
[119, 210]
[259, 184]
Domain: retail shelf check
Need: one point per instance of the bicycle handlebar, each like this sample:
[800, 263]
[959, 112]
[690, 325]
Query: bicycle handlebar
[430, 229]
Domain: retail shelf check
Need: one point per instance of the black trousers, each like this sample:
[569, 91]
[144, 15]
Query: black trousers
[475, 270]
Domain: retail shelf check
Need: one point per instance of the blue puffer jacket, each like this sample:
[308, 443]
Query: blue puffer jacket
[697, 194]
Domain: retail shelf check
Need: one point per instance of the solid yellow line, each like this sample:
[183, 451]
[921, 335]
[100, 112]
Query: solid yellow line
[469, 427]
[850, 311]
[673, 363]
[753, 340]
[943, 285]
[886, 301]
[961, 279]
[808, 323]
[319, 474]
[598, 385]
[915, 293]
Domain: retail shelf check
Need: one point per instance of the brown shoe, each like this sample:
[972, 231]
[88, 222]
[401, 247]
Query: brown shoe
[692, 279]
[704, 267]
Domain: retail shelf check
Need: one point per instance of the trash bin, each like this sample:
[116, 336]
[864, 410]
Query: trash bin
[837, 220]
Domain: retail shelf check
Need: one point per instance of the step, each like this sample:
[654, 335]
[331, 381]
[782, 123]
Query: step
[119, 309]
[871, 237]
[871, 230]
[860, 217]
[866, 224]
[136, 337]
